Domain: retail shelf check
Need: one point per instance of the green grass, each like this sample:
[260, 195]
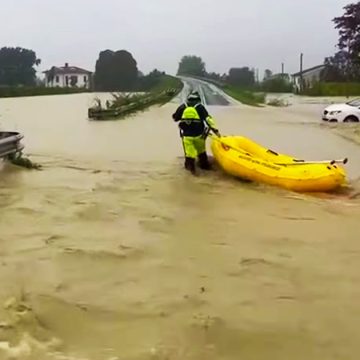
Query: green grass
[333, 89]
[167, 82]
[22, 91]
[246, 97]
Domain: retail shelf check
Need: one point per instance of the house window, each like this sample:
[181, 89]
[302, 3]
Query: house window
[85, 79]
[67, 80]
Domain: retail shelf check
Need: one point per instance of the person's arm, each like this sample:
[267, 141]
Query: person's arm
[178, 113]
[205, 116]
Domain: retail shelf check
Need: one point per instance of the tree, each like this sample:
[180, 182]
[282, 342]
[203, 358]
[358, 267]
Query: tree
[346, 62]
[17, 66]
[277, 84]
[349, 30]
[191, 65]
[147, 82]
[336, 68]
[115, 71]
[242, 77]
[268, 73]
[213, 75]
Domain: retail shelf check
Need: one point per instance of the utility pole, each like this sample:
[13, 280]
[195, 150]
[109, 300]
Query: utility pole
[301, 71]
[282, 69]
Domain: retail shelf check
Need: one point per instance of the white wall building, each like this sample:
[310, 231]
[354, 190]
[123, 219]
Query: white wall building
[68, 76]
[309, 76]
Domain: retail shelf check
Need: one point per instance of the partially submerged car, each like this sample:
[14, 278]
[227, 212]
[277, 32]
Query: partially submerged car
[343, 112]
[10, 144]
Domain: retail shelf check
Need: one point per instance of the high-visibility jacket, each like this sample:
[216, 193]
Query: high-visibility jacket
[193, 119]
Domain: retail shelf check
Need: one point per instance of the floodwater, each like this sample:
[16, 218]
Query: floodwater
[113, 252]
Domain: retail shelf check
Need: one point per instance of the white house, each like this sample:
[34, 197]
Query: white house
[309, 76]
[68, 76]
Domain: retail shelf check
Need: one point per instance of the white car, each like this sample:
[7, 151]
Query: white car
[347, 112]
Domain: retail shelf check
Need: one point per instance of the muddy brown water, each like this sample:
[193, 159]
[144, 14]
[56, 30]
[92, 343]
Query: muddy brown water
[113, 252]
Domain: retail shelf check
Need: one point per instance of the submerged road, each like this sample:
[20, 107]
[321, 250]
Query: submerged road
[210, 94]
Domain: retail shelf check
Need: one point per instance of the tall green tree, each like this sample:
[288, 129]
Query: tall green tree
[277, 84]
[192, 66]
[346, 62]
[267, 74]
[17, 66]
[147, 82]
[116, 71]
[337, 67]
[242, 77]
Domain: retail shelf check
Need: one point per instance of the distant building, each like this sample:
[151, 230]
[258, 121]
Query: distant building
[309, 76]
[68, 76]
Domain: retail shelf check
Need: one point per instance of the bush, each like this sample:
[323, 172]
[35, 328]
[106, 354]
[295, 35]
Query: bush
[277, 85]
[278, 103]
[333, 89]
[245, 96]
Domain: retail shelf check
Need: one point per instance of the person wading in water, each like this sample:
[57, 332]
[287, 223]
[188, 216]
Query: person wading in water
[194, 120]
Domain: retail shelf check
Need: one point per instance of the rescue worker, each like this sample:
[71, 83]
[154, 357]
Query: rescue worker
[194, 122]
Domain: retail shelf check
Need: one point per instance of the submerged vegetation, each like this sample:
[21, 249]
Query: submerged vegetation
[20, 160]
[123, 105]
[247, 97]
[333, 89]
[278, 102]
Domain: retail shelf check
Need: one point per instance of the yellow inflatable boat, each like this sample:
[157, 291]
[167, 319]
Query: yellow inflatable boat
[243, 158]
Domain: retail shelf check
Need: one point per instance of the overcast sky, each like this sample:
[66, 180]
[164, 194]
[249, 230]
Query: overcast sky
[226, 33]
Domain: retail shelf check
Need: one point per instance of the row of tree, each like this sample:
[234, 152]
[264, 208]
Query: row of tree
[243, 77]
[191, 65]
[343, 66]
[115, 70]
[118, 71]
[17, 66]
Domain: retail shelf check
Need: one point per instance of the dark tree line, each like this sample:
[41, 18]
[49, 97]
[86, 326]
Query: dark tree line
[17, 66]
[118, 71]
[115, 71]
[192, 65]
[241, 77]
